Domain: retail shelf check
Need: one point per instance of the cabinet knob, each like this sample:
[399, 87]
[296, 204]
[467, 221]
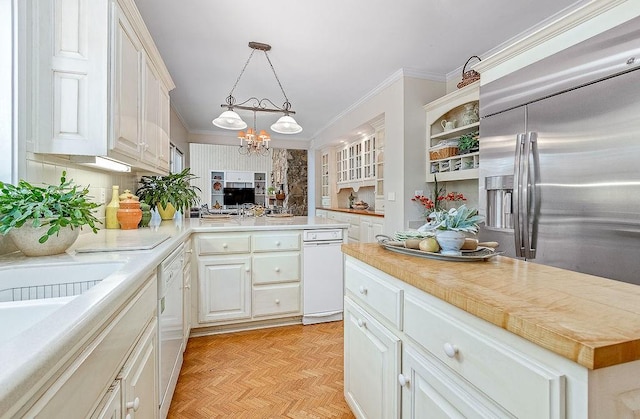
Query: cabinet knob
[362, 290]
[361, 323]
[224, 245]
[247, 269]
[404, 381]
[277, 243]
[135, 404]
[277, 301]
[450, 349]
[277, 269]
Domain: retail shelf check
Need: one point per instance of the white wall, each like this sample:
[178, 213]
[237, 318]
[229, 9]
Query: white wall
[401, 103]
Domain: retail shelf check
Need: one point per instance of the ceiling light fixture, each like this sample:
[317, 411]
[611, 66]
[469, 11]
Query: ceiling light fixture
[229, 119]
[256, 143]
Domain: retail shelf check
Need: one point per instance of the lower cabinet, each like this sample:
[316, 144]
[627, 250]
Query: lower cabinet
[247, 277]
[115, 373]
[408, 354]
[370, 227]
[371, 365]
[224, 291]
[362, 228]
[139, 377]
[186, 294]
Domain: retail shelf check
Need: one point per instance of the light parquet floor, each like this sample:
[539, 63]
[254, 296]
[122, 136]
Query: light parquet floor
[284, 372]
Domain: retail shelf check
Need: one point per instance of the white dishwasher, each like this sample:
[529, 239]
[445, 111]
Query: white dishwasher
[170, 336]
[323, 276]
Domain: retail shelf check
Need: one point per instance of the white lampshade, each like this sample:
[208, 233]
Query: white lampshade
[229, 120]
[286, 125]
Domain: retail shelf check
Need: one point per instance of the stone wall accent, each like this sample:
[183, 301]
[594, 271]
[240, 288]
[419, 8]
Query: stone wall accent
[297, 169]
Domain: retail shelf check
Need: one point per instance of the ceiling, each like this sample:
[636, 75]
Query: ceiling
[327, 54]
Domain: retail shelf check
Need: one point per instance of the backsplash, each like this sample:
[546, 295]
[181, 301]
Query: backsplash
[46, 169]
[365, 193]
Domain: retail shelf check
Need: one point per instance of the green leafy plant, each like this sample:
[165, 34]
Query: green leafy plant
[174, 188]
[56, 206]
[468, 141]
[456, 219]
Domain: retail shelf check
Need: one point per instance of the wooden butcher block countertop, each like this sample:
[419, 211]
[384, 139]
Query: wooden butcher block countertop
[587, 319]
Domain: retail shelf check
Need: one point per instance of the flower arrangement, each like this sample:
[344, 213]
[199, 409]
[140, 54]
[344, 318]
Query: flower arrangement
[441, 199]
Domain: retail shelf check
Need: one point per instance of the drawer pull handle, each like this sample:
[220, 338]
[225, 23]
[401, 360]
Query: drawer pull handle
[277, 301]
[188, 251]
[135, 404]
[450, 349]
[404, 381]
[361, 323]
[362, 290]
[277, 269]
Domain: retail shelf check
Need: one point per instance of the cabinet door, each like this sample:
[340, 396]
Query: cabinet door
[164, 129]
[140, 377]
[151, 121]
[111, 405]
[128, 88]
[430, 390]
[186, 304]
[371, 365]
[224, 289]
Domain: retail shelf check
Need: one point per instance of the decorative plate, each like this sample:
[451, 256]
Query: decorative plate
[217, 186]
[480, 254]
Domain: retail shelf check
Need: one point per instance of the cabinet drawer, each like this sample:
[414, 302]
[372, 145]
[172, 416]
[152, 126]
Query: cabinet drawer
[523, 386]
[279, 267]
[382, 297]
[275, 242]
[214, 244]
[276, 299]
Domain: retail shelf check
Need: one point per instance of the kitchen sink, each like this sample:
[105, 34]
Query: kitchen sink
[31, 293]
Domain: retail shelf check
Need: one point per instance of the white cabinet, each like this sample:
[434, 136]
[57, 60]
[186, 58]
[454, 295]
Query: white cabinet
[324, 180]
[101, 84]
[127, 87]
[186, 294]
[111, 405]
[221, 179]
[357, 163]
[371, 365]
[370, 227]
[443, 158]
[139, 377]
[453, 364]
[83, 384]
[362, 228]
[224, 288]
[248, 277]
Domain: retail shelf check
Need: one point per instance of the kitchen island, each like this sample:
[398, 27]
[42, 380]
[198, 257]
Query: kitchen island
[501, 338]
[113, 324]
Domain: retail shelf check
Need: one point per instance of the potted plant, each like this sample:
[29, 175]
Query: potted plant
[468, 143]
[45, 220]
[169, 193]
[450, 227]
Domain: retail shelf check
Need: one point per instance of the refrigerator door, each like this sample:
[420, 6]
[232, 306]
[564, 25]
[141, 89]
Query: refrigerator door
[499, 135]
[588, 142]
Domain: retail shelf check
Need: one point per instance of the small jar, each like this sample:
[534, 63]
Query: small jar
[146, 214]
[129, 214]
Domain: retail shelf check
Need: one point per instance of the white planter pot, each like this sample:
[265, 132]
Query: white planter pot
[450, 241]
[26, 240]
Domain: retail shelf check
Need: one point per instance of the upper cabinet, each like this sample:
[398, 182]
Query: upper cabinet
[356, 163]
[102, 87]
[451, 121]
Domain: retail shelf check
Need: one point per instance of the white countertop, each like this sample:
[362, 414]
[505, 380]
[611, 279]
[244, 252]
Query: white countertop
[32, 357]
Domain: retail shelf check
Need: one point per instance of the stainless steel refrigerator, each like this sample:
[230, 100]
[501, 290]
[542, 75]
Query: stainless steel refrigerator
[560, 158]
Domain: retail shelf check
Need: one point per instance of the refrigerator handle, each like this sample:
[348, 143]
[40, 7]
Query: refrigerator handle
[517, 196]
[524, 196]
[535, 195]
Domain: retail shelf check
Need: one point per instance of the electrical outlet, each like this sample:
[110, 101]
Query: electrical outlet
[418, 192]
[391, 196]
[103, 196]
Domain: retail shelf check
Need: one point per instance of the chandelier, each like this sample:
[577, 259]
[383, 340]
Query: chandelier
[256, 143]
[229, 119]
